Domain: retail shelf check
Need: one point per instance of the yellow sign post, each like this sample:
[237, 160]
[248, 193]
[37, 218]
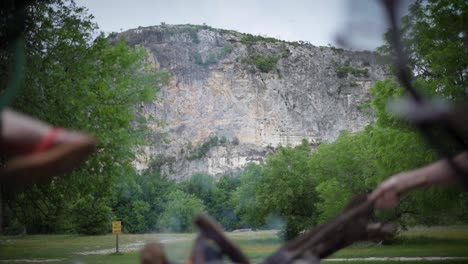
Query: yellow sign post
[116, 229]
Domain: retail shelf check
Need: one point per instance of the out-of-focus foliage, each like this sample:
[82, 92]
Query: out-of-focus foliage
[245, 198]
[435, 38]
[78, 82]
[180, 211]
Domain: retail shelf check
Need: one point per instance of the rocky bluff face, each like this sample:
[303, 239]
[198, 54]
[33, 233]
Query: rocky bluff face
[232, 98]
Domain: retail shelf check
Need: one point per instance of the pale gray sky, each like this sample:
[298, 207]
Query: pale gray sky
[316, 21]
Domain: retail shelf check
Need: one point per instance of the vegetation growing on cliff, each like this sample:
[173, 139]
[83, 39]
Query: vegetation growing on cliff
[249, 39]
[203, 149]
[263, 63]
[191, 30]
[343, 70]
[213, 57]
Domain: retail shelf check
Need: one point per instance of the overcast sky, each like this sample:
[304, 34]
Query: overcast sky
[316, 21]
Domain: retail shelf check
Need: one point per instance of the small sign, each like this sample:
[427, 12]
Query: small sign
[116, 227]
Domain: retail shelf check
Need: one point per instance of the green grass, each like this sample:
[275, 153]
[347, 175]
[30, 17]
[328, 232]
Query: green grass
[401, 262]
[416, 242]
[410, 248]
[66, 246]
[443, 232]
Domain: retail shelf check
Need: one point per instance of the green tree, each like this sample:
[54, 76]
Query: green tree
[215, 195]
[136, 220]
[333, 197]
[91, 215]
[139, 200]
[202, 186]
[356, 163]
[342, 168]
[80, 83]
[434, 34]
[224, 208]
[180, 212]
[245, 196]
[287, 190]
[382, 92]
[155, 190]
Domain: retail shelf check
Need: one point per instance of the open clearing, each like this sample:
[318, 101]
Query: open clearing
[417, 245]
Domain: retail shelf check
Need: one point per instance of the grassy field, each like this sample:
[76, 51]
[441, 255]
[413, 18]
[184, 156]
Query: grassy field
[417, 242]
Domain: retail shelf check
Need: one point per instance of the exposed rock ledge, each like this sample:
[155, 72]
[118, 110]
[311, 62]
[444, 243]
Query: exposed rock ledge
[217, 89]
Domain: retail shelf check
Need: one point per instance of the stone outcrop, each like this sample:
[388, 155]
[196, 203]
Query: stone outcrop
[232, 98]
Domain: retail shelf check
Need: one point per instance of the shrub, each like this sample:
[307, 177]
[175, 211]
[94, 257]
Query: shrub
[266, 64]
[14, 228]
[212, 58]
[263, 63]
[214, 140]
[193, 32]
[223, 140]
[235, 141]
[343, 71]
[197, 59]
[201, 151]
[227, 49]
[249, 39]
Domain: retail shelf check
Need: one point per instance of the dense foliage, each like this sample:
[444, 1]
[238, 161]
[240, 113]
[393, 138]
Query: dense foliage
[213, 57]
[78, 82]
[250, 39]
[287, 189]
[263, 63]
[203, 149]
[342, 71]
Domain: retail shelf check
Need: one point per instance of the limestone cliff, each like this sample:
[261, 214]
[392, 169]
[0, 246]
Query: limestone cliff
[232, 98]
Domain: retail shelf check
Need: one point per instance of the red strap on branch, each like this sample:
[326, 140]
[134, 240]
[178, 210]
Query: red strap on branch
[48, 140]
